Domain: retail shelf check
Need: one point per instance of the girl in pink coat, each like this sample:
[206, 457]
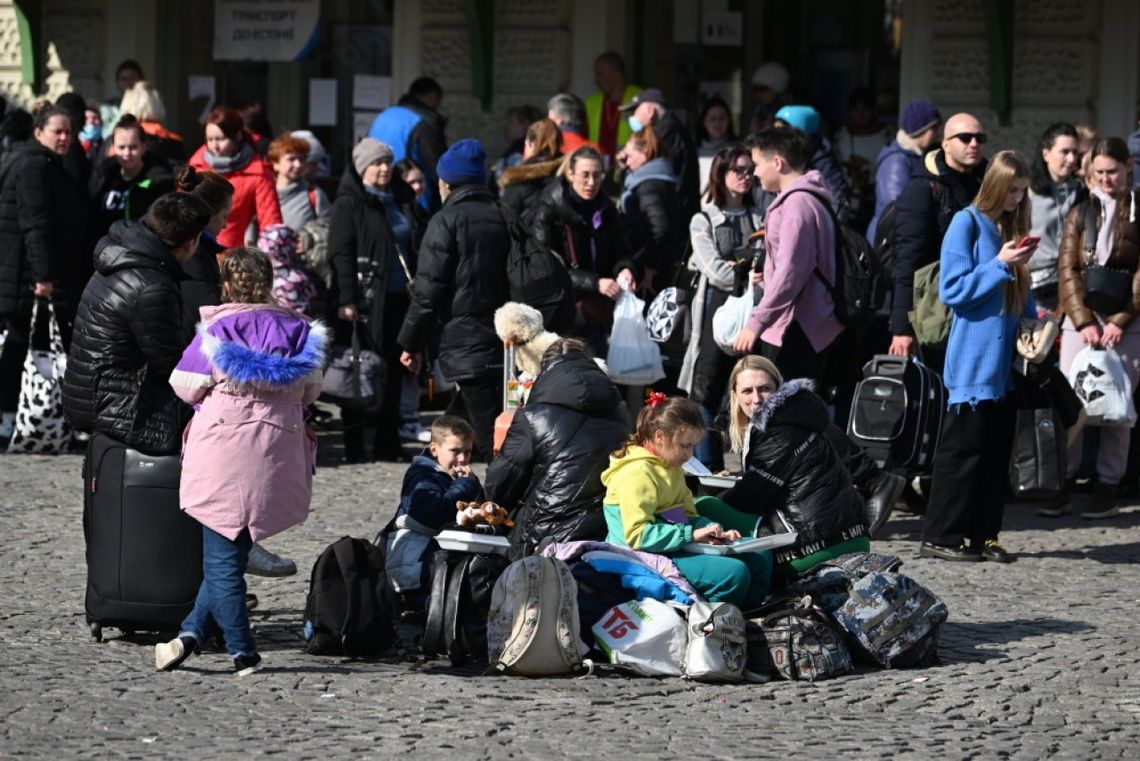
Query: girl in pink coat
[248, 457]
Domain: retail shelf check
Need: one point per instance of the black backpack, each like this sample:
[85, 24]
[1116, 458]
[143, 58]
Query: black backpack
[538, 277]
[349, 608]
[885, 244]
[861, 283]
[461, 584]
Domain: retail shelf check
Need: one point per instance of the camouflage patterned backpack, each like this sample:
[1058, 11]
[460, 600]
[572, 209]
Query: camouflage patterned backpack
[796, 641]
[893, 619]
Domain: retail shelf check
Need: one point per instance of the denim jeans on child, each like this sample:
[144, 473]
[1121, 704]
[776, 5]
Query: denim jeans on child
[221, 598]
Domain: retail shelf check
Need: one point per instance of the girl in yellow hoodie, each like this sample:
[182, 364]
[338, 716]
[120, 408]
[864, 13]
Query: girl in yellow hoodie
[648, 507]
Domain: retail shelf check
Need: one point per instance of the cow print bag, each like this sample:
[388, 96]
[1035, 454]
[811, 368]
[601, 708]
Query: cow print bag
[40, 425]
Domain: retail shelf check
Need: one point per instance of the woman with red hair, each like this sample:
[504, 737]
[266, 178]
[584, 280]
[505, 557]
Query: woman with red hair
[229, 152]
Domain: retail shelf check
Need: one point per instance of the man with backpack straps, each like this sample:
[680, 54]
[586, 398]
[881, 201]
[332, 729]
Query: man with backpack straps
[945, 184]
[795, 321]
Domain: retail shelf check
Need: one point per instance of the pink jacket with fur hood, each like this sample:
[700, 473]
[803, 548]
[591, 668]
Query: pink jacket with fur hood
[248, 457]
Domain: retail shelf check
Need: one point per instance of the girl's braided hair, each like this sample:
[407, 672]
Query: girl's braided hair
[247, 277]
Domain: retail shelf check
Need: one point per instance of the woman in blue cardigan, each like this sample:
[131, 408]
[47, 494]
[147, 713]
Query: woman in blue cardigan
[985, 282]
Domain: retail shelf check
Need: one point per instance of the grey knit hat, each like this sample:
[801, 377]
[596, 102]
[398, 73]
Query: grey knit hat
[368, 151]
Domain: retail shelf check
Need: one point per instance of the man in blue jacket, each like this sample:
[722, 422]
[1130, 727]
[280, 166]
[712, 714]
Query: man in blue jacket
[918, 133]
[414, 130]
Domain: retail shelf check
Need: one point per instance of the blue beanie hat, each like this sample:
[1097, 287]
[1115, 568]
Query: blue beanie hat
[919, 116]
[464, 163]
[804, 118]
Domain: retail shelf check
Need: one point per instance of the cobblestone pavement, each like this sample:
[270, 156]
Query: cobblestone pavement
[1040, 659]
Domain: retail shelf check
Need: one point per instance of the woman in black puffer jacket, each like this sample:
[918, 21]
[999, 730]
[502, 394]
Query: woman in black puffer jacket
[522, 185]
[548, 474]
[651, 207]
[793, 477]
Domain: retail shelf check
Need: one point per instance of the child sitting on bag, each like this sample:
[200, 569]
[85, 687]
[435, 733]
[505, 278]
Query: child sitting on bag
[649, 508]
[433, 483]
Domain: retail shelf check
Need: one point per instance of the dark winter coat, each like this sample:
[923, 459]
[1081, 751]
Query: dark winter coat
[202, 286]
[461, 279]
[683, 158]
[113, 202]
[549, 471]
[44, 224]
[127, 341]
[823, 160]
[930, 199]
[793, 476]
[565, 224]
[896, 162]
[360, 240]
[652, 213]
[523, 184]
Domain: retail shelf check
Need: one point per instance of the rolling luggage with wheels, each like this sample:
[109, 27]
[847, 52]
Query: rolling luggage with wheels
[510, 399]
[897, 413]
[144, 555]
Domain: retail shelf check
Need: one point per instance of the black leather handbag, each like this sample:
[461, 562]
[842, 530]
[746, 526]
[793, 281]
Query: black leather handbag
[1107, 290]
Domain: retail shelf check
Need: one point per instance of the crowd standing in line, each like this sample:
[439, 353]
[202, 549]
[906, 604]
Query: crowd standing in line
[411, 259]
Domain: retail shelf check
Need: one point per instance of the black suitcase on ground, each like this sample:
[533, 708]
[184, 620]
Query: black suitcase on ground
[897, 413]
[144, 555]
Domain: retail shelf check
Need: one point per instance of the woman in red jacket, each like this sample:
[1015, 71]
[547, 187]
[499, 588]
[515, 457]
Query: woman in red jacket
[229, 153]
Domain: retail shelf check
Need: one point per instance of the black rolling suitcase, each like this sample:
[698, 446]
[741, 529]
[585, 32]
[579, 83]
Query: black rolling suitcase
[897, 413]
[144, 555]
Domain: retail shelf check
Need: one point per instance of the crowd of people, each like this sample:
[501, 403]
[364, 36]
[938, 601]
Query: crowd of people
[207, 262]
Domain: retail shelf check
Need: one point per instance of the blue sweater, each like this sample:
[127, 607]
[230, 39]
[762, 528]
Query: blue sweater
[980, 353]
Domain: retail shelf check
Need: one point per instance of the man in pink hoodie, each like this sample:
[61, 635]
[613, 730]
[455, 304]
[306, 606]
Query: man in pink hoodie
[795, 320]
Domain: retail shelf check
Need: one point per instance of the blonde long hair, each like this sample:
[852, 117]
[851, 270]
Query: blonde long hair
[737, 421]
[1005, 168]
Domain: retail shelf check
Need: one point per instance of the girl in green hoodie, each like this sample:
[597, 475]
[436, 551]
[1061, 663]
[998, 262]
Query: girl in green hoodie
[649, 508]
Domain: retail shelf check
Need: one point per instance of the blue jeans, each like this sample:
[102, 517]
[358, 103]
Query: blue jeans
[221, 598]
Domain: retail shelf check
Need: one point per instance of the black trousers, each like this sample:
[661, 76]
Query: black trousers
[796, 358]
[386, 443]
[15, 348]
[970, 482]
[479, 401]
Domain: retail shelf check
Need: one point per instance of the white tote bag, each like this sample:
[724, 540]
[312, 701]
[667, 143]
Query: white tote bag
[729, 319]
[40, 424]
[1098, 378]
[645, 636]
[633, 358]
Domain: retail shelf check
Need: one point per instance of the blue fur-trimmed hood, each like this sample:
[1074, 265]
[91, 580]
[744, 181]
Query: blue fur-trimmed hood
[288, 352]
[780, 401]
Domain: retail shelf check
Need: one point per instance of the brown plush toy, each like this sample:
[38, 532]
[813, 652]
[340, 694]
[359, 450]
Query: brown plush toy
[486, 514]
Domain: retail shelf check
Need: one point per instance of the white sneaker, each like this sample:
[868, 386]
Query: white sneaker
[415, 432]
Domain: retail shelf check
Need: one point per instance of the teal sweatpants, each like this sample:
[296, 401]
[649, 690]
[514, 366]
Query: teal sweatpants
[743, 580]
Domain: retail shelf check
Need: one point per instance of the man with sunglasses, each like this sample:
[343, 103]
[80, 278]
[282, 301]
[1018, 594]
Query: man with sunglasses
[945, 183]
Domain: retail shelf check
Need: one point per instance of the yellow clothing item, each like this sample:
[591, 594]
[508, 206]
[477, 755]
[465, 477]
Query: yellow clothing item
[641, 486]
[594, 115]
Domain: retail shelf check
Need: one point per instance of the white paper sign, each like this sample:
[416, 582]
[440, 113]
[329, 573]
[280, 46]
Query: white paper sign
[322, 102]
[361, 123]
[265, 30]
[722, 28]
[202, 86]
[371, 92]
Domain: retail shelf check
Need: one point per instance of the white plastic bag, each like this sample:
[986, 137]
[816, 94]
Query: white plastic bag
[646, 636]
[1098, 377]
[633, 359]
[729, 319]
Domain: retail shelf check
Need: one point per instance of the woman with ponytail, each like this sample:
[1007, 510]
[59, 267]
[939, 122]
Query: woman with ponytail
[202, 287]
[985, 282]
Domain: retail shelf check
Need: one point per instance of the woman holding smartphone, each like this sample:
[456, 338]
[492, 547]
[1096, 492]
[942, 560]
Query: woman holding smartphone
[985, 282]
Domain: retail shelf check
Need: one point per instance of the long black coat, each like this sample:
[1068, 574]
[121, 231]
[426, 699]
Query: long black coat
[793, 476]
[127, 340]
[461, 279]
[652, 213]
[549, 471]
[44, 223]
[683, 156]
[202, 286]
[523, 185]
[360, 240]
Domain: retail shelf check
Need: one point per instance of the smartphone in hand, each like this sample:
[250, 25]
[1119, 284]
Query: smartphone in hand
[1029, 240]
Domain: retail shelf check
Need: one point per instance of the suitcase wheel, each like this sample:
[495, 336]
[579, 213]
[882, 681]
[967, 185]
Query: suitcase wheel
[96, 631]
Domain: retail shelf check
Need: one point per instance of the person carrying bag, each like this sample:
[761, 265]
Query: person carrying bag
[40, 426]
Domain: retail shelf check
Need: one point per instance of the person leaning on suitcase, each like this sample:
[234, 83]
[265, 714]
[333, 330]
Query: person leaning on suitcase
[985, 283]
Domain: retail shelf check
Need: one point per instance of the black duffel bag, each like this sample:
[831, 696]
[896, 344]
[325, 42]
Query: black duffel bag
[354, 377]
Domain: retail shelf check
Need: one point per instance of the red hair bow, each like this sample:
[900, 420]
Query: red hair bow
[654, 398]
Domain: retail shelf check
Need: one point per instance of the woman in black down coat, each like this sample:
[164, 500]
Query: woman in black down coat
[522, 185]
[548, 474]
[793, 477]
[579, 223]
[651, 209]
[202, 286]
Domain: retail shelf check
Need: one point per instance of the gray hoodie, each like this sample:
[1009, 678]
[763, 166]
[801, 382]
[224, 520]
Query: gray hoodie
[1047, 222]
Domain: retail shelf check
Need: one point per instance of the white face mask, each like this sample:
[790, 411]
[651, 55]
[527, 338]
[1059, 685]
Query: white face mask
[635, 124]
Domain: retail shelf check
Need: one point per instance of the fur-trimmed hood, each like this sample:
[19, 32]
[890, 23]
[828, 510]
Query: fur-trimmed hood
[794, 403]
[529, 171]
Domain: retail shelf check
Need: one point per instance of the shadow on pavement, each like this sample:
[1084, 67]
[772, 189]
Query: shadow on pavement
[1110, 554]
[967, 641]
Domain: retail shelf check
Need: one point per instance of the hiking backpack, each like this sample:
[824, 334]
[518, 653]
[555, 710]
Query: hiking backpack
[461, 584]
[538, 277]
[861, 282]
[349, 609]
[533, 627]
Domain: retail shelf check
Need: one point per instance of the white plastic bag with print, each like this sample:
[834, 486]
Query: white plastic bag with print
[1098, 377]
[647, 637]
[729, 319]
[633, 358]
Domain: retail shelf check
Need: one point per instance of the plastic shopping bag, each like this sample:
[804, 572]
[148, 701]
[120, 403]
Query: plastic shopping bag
[646, 636]
[633, 358]
[730, 319]
[1098, 378]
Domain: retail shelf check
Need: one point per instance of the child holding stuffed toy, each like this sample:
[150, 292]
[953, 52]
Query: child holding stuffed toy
[648, 506]
[433, 485]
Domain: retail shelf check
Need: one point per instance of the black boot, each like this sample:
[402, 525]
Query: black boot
[887, 489]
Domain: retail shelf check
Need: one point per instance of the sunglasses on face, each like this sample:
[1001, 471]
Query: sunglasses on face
[969, 137]
[742, 171]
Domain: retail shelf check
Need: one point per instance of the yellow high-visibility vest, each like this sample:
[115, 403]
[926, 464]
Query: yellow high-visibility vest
[594, 114]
